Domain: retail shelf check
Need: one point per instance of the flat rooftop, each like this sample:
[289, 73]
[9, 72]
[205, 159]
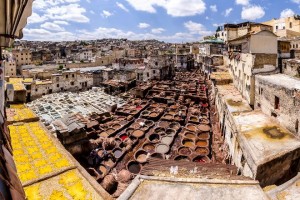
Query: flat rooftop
[288, 190]
[167, 188]
[233, 99]
[262, 138]
[281, 80]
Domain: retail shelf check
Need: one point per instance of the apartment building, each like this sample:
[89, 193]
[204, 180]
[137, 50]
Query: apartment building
[22, 57]
[288, 27]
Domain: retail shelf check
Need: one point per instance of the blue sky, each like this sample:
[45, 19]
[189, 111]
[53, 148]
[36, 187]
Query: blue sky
[167, 20]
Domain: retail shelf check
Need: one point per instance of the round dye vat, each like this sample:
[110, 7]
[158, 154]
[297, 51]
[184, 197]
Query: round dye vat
[102, 169]
[182, 158]
[188, 143]
[110, 131]
[204, 135]
[202, 151]
[167, 116]
[201, 159]
[134, 167]
[162, 148]
[205, 121]
[174, 125]
[194, 119]
[158, 155]
[133, 111]
[141, 156]
[117, 126]
[191, 127]
[153, 114]
[123, 137]
[202, 143]
[117, 153]
[149, 123]
[167, 140]
[123, 122]
[138, 133]
[145, 113]
[103, 134]
[204, 127]
[109, 162]
[148, 147]
[184, 151]
[190, 135]
[159, 130]
[129, 131]
[100, 153]
[154, 138]
[163, 124]
[170, 131]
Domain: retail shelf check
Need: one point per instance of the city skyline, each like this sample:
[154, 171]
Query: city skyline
[167, 20]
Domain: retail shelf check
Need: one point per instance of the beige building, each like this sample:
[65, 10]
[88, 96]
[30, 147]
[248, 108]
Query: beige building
[249, 55]
[22, 56]
[232, 31]
[288, 27]
[291, 67]
[259, 146]
[10, 68]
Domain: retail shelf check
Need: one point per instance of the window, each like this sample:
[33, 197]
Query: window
[57, 85]
[276, 27]
[148, 74]
[67, 76]
[297, 126]
[153, 71]
[276, 106]
[291, 25]
[72, 83]
[36, 89]
[73, 75]
[283, 27]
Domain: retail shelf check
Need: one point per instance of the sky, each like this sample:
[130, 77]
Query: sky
[164, 20]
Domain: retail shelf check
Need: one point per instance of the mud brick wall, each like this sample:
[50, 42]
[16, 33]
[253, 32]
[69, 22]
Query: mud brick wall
[265, 59]
[288, 113]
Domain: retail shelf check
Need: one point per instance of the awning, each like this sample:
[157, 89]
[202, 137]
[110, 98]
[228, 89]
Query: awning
[13, 18]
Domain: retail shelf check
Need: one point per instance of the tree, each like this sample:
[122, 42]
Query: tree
[60, 67]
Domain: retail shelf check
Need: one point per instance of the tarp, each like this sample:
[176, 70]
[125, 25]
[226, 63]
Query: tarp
[13, 18]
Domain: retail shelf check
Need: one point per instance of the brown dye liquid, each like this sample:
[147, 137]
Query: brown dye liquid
[188, 144]
[149, 147]
[102, 169]
[185, 151]
[190, 135]
[134, 168]
[202, 151]
[201, 143]
[138, 133]
[192, 128]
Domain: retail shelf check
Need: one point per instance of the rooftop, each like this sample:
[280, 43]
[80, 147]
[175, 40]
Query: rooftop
[167, 188]
[281, 80]
[233, 99]
[288, 190]
[262, 138]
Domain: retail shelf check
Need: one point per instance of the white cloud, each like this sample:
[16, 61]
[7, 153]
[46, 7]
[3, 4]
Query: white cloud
[36, 18]
[52, 26]
[157, 30]
[60, 22]
[296, 1]
[196, 28]
[228, 11]
[92, 12]
[252, 12]
[175, 8]
[217, 25]
[106, 14]
[287, 13]
[143, 25]
[213, 8]
[70, 12]
[42, 4]
[242, 2]
[122, 6]
[42, 35]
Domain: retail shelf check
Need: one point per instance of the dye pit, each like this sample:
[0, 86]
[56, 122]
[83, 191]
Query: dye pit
[167, 120]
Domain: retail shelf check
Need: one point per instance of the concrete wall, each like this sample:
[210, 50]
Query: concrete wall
[264, 42]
